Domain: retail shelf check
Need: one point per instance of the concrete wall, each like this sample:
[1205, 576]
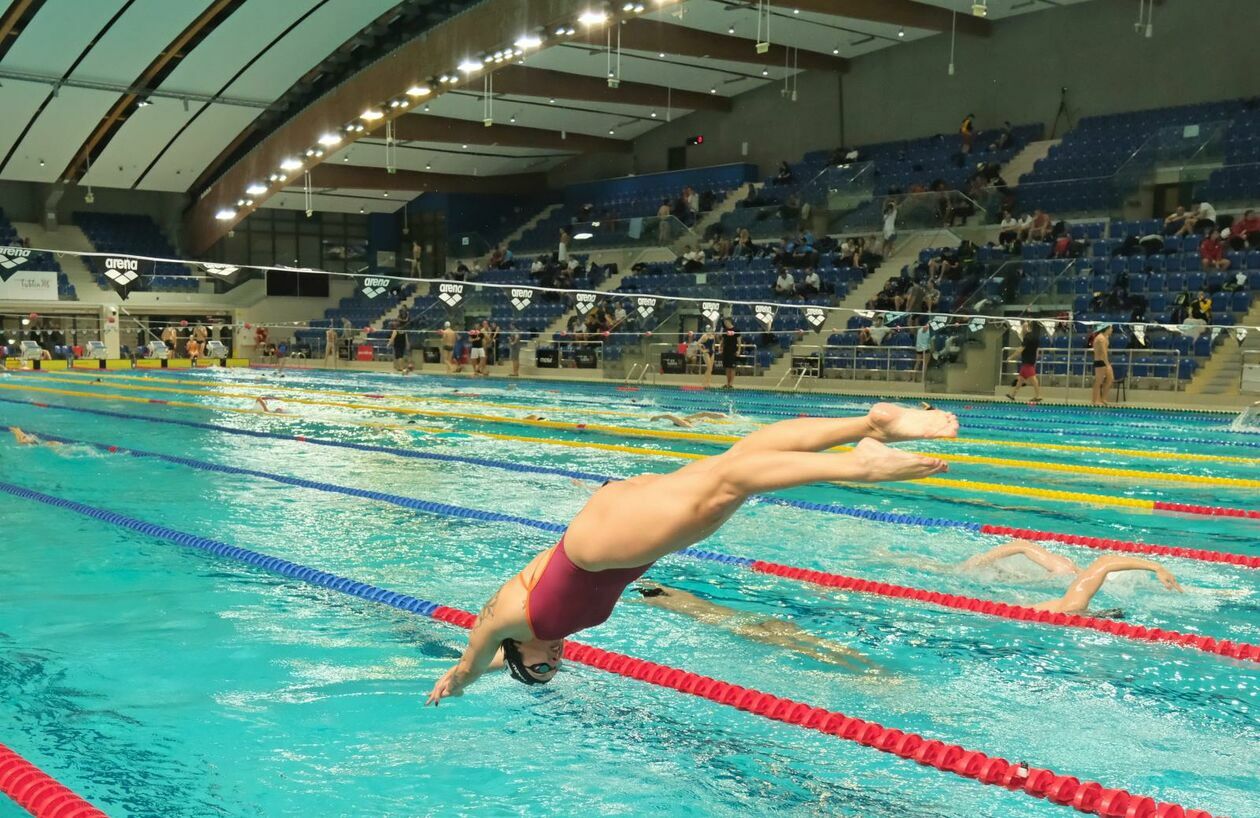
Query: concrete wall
[1202, 50]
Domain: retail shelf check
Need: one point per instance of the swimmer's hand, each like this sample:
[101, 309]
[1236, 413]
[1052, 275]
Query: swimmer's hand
[1170, 582]
[452, 683]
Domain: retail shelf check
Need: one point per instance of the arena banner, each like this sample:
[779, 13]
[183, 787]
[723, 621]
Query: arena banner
[451, 293]
[29, 285]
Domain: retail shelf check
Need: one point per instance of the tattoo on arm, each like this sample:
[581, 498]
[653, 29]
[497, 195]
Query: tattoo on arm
[487, 610]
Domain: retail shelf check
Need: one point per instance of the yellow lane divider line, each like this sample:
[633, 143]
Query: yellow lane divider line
[963, 485]
[1062, 447]
[1063, 468]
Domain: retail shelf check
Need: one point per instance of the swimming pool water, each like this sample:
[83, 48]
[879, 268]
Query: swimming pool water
[157, 681]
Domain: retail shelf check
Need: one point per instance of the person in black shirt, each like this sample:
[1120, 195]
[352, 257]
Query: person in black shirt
[730, 350]
[1028, 362]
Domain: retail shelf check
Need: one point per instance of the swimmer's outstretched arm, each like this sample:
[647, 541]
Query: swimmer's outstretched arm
[23, 438]
[1091, 580]
[502, 617]
[674, 419]
[707, 416]
[1047, 560]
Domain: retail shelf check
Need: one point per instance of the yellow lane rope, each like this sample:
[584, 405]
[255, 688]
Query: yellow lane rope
[1060, 447]
[252, 389]
[963, 485]
[1063, 468]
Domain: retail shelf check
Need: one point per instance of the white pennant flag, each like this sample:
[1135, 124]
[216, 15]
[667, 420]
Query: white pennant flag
[220, 269]
[585, 302]
[938, 323]
[815, 316]
[450, 293]
[1047, 324]
[372, 287]
[889, 317]
[975, 324]
[646, 305]
[1139, 332]
[1240, 333]
[1216, 331]
[711, 310]
[1016, 326]
[764, 314]
[865, 313]
[521, 298]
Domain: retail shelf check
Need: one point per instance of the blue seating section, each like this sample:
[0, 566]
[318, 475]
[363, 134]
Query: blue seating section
[628, 198]
[899, 166]
[1239, 179]
[1078, 174]
[138, 235]
[43, 262]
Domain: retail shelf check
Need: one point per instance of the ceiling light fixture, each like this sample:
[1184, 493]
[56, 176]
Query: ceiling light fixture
[371, 115]
[593, 18]
[901, 32]
[528, 41]
[256, 189]
[291, 164]
[428, 166]
[330, 139]
[418, 91]
[225, 214]
[653, 115]
[470, 66]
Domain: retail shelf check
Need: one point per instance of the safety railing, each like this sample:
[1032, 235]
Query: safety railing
[857, 362]
[1074, 369]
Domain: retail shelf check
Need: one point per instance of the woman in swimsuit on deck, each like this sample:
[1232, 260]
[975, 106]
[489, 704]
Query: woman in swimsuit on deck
[627, 525]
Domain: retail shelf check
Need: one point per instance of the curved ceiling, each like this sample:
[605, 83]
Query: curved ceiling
[175, 95]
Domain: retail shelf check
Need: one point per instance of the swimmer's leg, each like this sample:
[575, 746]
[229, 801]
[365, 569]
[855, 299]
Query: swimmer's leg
[885, 422]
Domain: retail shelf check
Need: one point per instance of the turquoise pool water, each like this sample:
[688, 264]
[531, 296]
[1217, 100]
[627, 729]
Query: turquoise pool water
[158, 681]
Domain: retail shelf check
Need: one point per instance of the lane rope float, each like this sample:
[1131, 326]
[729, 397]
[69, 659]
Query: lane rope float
[953, 484]
[1129, 630]
[37, 792]
[704, 437]
[1097, 543]
[1084, 796]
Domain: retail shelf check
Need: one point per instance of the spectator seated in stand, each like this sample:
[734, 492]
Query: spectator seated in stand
[1175, 221]
[875, 334]
[720, 249]
[1212, 253]
[692, 259]
[1197, 223]
[811, 285]
[784, 176]
[1039, 227]
[1245, 231]
[785, 284]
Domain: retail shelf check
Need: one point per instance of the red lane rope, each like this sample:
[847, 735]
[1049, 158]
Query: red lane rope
[37, 792]
[1102, 543]
[1022, 613]
[1210, 511]
[1084, 796]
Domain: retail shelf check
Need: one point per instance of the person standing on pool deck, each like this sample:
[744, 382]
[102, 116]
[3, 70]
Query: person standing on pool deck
[1104, 375]
[514, 349]
[448, 347]
[398, 340]
[628, 525]
[1028, 353]
[730, 350]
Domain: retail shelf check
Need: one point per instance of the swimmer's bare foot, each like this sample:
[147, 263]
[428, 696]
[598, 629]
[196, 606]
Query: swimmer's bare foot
[887, 464]
[890, 423]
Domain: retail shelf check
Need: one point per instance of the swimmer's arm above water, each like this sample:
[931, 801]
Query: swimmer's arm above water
[1032, 551]
[23, 438]
[1082, 591]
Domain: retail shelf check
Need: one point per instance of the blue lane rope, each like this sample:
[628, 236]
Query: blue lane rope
[827, 508]
[275, 565]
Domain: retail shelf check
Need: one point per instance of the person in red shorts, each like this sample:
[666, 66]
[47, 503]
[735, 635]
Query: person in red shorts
[1029, 350]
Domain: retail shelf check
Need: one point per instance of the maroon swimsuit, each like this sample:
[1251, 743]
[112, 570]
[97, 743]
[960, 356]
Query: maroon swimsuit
[565, 599]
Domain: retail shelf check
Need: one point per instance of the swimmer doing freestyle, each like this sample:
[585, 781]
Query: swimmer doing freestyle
[627, 525]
